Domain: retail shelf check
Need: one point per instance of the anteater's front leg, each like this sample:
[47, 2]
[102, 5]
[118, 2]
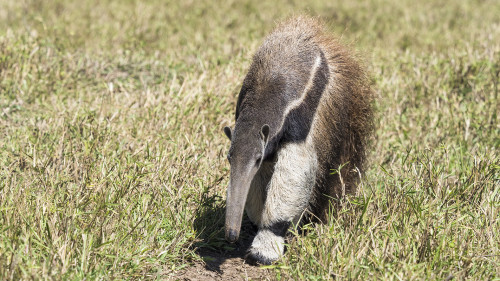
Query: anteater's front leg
[288, 195]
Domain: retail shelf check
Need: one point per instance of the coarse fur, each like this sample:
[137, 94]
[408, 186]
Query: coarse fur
[304, 110]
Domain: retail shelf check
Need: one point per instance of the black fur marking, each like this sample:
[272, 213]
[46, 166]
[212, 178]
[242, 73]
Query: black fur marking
[279, 228]
[299, 121]
[255, 259]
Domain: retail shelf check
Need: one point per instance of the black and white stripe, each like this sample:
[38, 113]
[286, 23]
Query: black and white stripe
[298, 116]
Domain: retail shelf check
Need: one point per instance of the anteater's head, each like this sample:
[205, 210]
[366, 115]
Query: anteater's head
[248, 146]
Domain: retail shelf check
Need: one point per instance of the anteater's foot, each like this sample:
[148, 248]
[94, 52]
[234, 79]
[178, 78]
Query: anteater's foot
[266, 248]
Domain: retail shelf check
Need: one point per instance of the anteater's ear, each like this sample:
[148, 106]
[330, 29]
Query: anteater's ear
[227, 131]
[264, 132]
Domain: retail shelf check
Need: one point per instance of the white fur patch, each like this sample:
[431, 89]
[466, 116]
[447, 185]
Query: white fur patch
[291, 185]
[267, 245]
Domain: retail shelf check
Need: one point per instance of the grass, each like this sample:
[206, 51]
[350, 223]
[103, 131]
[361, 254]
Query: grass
[111, 147]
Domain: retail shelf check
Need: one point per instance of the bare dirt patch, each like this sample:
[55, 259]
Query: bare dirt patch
[221, 260]
[228, 265]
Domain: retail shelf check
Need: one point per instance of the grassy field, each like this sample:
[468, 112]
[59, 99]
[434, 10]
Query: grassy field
[112, 156]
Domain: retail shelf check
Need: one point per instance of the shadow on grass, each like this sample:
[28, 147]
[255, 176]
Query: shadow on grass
[209, 227]
[212, 246]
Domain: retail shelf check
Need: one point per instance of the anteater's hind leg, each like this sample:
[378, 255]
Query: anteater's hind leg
[288, 195]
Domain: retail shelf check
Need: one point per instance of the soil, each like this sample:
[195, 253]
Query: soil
[225, 266]
[221, 260]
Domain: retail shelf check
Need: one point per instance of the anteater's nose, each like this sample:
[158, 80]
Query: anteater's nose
[232, 235]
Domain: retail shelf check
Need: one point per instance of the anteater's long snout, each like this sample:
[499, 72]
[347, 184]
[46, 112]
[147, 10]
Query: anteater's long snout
[232, 235]
[237, 192]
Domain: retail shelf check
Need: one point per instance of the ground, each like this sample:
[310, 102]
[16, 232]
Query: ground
[112, 154]
[224, 266]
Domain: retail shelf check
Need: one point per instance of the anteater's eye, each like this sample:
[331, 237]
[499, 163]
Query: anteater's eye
[228, 157]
